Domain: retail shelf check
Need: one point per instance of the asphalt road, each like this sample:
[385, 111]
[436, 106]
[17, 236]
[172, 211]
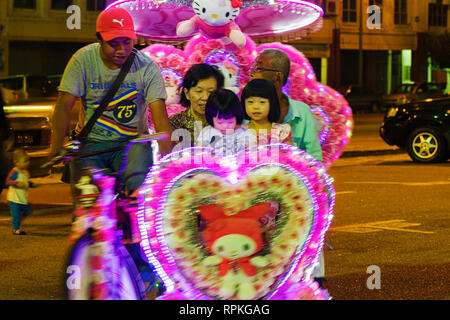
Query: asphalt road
[389, 213]
[393, 214]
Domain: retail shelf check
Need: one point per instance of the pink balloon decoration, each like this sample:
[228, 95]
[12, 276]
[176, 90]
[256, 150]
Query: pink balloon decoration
[172, 62]
[303, 86]
[302, 83]
[198, 49]
[167, 56]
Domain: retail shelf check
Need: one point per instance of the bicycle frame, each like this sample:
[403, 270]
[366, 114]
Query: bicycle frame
[98, 220]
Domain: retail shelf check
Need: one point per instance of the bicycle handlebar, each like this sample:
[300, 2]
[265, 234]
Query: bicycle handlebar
[70, 150]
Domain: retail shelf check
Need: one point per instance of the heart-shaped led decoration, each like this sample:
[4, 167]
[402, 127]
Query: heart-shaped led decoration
[249, 226]
[322, 123]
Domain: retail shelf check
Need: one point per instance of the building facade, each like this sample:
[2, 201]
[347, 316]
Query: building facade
[39, 36]
[389, 35]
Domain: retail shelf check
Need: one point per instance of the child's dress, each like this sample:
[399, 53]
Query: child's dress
[280, 133]
[18, 197]
[226, 144]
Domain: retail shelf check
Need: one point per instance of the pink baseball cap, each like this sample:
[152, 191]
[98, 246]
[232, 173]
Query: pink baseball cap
[115, 23]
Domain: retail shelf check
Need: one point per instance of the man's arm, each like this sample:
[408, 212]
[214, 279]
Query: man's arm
[162, 124]
[61, 121]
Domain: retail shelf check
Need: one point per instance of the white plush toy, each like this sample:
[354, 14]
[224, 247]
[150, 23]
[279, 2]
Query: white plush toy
[172, 81]
[89, 191]
[215, 19]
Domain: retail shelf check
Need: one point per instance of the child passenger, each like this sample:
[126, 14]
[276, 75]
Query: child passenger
[260, 102]
[225, 132]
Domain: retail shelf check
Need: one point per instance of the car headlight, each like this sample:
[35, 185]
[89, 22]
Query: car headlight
[392, 112]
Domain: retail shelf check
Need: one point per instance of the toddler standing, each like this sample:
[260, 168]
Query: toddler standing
[18, 184]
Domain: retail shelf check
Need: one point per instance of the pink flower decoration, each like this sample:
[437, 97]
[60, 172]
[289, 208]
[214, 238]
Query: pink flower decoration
[302, 83]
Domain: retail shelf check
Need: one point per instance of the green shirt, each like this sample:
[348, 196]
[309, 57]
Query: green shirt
[304, 132]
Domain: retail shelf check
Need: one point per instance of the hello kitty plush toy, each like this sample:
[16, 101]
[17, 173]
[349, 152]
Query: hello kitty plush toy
[233, 240]
[215, 19]
[230, 72]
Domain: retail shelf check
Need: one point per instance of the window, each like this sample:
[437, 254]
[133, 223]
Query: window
[437, 14]
[349, 11]
[422, 88]
[367, 91]
[328, 6]
[95, 5]
[433, 87]
[25, 4]
[400, 12]
[12, 83]
[61, 4]
[355, 91]
[36, 86]
[404, 88]
[378, 3]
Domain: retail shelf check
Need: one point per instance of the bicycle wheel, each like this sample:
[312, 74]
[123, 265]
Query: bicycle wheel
[77, 280]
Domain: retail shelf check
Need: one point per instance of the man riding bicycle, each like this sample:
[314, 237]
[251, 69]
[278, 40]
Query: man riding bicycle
[89, 75]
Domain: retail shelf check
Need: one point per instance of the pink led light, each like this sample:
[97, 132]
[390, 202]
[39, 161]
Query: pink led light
[116, 3]
[314, 178]
[325, 121]
[157, 20]
[305, 3]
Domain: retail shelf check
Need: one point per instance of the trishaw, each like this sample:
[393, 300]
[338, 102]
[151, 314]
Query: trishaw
[247, 226]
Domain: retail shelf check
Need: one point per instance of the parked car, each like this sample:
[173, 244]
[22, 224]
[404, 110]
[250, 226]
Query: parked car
[26, 87]
[421, 127]
[362, 98]
[410, 92]
[9, 96]
[30, 124]
[53, 83]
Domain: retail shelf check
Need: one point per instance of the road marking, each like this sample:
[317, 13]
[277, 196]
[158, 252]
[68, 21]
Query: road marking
[391, 225]
[410, 184]
[345, 192]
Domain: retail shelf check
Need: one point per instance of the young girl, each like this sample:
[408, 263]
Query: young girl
[224, 115]
[260, 101]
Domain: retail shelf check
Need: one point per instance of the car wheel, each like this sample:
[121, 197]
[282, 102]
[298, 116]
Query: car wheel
[426, 145]
[375, 107]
